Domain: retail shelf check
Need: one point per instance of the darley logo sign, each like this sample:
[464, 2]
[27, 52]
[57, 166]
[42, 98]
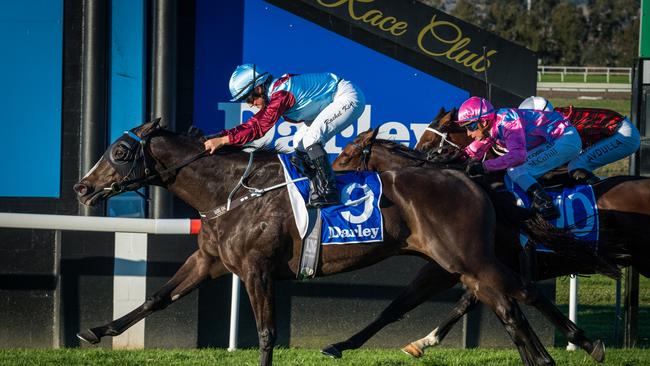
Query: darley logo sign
[359, 219]
[438, 38]
[356, 230]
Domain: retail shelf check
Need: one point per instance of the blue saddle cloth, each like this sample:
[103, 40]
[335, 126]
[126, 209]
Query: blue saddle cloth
[358, 219]
[577, 207]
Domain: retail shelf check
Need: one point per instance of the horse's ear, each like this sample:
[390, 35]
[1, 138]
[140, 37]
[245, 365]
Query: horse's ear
[196, 133]
[155, 124]
[374, 134]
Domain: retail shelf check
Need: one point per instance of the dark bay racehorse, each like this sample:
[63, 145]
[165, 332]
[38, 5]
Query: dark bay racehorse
[366, 153]
[260, 242]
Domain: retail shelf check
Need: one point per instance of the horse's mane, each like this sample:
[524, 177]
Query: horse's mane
[399, 149]
[196, 135]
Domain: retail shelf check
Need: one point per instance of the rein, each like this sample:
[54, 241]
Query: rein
[367, 150]
[252, 193]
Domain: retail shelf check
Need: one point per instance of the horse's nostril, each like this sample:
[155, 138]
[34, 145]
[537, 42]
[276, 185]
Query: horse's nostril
[80, 188]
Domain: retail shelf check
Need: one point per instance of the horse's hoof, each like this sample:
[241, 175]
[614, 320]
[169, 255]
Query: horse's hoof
[598, 353]
[331, 351]
[88, 336]
[413, 350]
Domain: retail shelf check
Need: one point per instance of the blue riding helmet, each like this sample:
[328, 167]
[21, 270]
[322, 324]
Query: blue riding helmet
[244, 79]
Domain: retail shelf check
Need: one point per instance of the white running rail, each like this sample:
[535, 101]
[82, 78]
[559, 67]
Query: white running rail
[129, 291]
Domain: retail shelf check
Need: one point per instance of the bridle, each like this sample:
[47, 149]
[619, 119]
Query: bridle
[129, 155]
[443, 139]
[365, 153]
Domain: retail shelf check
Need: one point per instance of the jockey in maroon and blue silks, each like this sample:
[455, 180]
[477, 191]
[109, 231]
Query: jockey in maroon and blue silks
[325, 103]
[536, 142]
[607, 136]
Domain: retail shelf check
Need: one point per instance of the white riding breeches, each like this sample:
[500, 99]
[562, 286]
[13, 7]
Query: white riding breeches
[346, 107]
[545, 157]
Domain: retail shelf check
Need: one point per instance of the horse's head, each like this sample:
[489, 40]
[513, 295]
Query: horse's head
[356, 155]
[123, 167]
[442, 134]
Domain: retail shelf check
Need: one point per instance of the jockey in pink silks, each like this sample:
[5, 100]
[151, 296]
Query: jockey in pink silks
[536, 142]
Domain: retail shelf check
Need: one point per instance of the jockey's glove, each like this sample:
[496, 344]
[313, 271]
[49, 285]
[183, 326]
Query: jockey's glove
[475, 168]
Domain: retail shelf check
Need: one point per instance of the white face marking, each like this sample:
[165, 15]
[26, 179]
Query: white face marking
[91, 170]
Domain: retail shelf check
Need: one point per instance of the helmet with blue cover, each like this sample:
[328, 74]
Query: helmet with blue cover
[244, 79]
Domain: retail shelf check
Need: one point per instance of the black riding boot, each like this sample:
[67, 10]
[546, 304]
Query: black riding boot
[583, 176]
[324, 192]
[304, 165]
[542, 202]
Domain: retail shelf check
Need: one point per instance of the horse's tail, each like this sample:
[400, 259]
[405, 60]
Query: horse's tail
[561, 241]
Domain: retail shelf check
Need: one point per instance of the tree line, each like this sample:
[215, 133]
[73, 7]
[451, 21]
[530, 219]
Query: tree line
[562, 32]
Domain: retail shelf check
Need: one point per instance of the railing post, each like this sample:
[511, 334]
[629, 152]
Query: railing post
[573, 305]
[234, 313]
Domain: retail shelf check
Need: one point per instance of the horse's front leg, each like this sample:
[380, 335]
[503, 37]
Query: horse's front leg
[466, 303]
[431, 279]
[198, 267]
[261, 292]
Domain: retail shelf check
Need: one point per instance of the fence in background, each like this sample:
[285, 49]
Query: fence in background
[584, 74]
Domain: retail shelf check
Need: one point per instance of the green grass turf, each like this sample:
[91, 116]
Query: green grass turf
[622, 106]
[306, 357]
[596, 310]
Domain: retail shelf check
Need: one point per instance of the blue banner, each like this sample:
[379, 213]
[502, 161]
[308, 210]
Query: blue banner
[400, 99]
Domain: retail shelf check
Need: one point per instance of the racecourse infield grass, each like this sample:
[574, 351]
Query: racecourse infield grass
[306, 357]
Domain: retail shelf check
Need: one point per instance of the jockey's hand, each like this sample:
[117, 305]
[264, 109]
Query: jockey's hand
[475, 168]
[460, 156]
[215, 143]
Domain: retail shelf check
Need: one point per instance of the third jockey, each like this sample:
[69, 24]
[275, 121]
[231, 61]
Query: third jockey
[325, 103]
[606, 135]
[536, 142]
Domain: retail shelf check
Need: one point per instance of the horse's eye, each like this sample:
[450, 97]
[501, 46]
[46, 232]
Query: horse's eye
[120, 153]
[344, 158]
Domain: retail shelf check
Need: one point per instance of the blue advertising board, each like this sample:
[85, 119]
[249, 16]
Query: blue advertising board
[401, 100]
[31, 35]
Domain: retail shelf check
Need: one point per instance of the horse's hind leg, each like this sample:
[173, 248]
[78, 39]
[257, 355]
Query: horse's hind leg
[195, 270]
[466, 303]
[429, 280]
[531, 295]
[493, 287]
